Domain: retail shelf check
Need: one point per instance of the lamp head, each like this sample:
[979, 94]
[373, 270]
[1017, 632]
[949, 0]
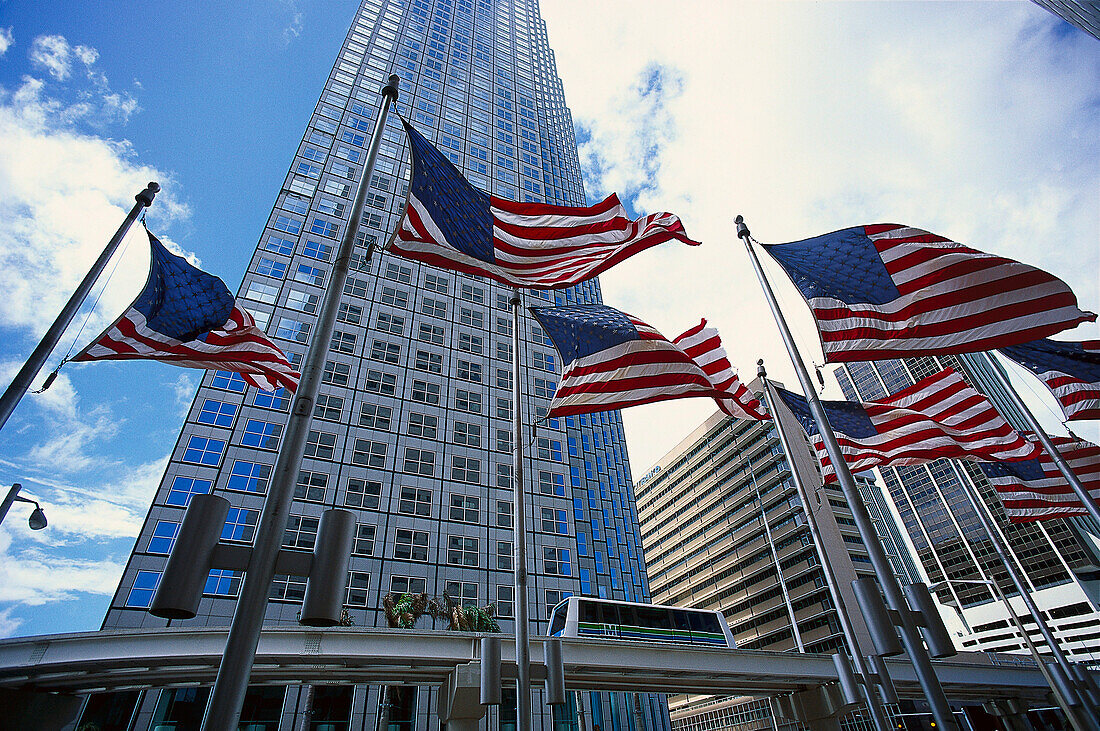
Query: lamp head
[37, 521]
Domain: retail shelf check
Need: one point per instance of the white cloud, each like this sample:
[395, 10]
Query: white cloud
[8, 623]
[977, 123]
[294, 27]
[54, 54]
[7, 40]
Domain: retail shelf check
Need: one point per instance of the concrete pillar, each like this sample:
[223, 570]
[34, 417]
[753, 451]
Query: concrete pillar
[459, 704]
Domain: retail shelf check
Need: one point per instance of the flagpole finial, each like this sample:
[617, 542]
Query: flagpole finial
[742, 229]
[390, 89]
[146, 196]
[760, 365]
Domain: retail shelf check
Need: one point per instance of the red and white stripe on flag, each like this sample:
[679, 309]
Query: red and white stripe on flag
[703, 346]
[939, 416]
[1029, 495]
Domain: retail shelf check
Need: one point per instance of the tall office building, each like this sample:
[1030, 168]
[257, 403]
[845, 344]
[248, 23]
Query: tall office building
[1059, 561]
[412, 430]
[723, 528]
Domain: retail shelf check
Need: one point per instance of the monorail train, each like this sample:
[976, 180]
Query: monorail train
[581, 616]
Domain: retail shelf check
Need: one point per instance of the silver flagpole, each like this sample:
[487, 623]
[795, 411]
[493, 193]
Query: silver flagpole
[1068, 697]
[37, 359]
[224, 709]
[878, 711]
[519, 532]
[775, 559]
[1033, 424]
[910, 635]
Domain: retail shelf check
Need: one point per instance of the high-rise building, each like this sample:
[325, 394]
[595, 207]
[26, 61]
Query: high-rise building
[723, 528]
[412, 429]
[1059, 560]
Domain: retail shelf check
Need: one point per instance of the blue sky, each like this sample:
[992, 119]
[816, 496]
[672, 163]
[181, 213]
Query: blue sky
[974, 120]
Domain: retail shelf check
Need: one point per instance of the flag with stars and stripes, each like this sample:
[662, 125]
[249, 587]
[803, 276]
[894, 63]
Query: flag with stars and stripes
[451, 224]
[889, 291]
[187, 317]
[1070, 370]
[938, 416]
[1036, 490]
[611, 360]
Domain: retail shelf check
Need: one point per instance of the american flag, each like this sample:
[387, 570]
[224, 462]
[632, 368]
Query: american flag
[890, 291]
[187, 317]
[451, 224]
[1070, 370]
[1036, 490]
[611, 360]
[938, 416]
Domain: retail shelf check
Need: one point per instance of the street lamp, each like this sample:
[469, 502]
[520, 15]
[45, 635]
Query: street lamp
[37, 521]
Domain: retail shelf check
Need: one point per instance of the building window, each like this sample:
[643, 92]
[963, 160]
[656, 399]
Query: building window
[320, 445]
[504, 555]
[430, 362]
[393, 324]
[183, 488]
[249, 477]
[544, 388]
[505, 606]
[433, 334]
[220, 582]
[555, 561]
[407, 585]
[433, 307]
[374, 416]
[311, 486]
[468, 371]
[462, 551]
[504, 440]
[328, 407]
[369, 453]
[164, 535]
[436, 283]
[504, 379]
[504, 408]
[336, 374]
[468, 343]
[549, 449]
[504, 476]
[462, 592]
[358, 584]
[217, 413]
[468, 401]
[410, 544]
[204, 451]
[310, 275]
[426, 393]
[351, 314]
[465, 509]
[240, 525]
[228, 381]
[394, 297]
[301, 532]
[415, 501]
[145, 586]
[385, 352]
[286, 588]
[278, 399]
[364, 540]
[543, 361]
[363, 493]
[465, 469]
[553, 598]
[472, 294]
[263, 434]
[467, 435]
[398, 273]
[553, 521]
[422, 425]
[304, 301]
[504, 514]
[551, 483]
[342, 342]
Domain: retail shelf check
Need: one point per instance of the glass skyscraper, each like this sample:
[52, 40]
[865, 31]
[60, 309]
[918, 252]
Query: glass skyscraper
[412, 429]
[1059, 564]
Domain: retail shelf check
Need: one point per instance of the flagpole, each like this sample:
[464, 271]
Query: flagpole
[37, 359]
[1063, 466]
[224, 708]
[910, 635]
[878, 712]
[1068, 696]
[519, 533]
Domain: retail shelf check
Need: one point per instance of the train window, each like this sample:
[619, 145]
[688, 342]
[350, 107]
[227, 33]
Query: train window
[588, 612]
[557, 621]
[628, 616]
[680, 621]
[609, 613]
[705, 623]
[654, 617]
